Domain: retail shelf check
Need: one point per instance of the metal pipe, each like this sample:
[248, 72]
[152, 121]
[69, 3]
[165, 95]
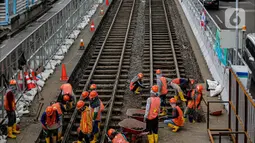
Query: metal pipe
[237, 34]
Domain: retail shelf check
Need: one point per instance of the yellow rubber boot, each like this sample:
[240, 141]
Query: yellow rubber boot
[14, 127]
[150, 138]
[59, 136]
[182, 96]
[95, 138]
[54, 139]
[176, 97]
[155, 138]
[78, 141]
[137, 90]
[10, 135]
[163, 111]
[175, 128]
[47, 140]
[170, 125]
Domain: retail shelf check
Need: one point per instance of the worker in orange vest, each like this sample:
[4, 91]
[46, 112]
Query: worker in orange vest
[136, 83]
[194, 103]
[10, 107]
[185, 84]
[176, 120]
[85, 123]
[151, 115]
[116, 137]
[50, 124]
[97, 107]
[85, 95]
[60, 108]
[68, 96]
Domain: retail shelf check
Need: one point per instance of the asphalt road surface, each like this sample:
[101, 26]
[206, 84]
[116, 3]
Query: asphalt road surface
[247, 5]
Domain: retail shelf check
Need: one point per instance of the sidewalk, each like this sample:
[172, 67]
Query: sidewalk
[30, 130]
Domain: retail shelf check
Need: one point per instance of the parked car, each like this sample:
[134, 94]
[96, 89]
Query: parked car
[249, 53]
[210, 3]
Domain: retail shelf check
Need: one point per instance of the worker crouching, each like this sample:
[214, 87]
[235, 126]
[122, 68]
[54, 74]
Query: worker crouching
[136, 83]
[85, 123]
[68, 98]
[10, 107]
[176, 120]
[116, 137]
[151, 115]
[50, 124]
[194, 103]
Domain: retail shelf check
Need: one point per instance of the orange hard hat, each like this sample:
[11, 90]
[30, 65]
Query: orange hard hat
[80, 104]
[12, 82]
[158, 71]
[85, 94]
[110, 131]
[199, 88]
[192, 81]
[93, 94]
[172, 100]
[66, 98]
[154, 88]
[140, 75]
[49, 110]
[93, 86]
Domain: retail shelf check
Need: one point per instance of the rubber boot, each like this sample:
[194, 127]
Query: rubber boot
[176, 97]
[14, 127]
[175, 128]
[10, 135]
[137, 90]
[54, 139]
[78, 141]
[182, 96]
[170, 125]
[47, 140]
[59, 136]
[95, 138]
[150, 138]
[163, 111]
[155, 138]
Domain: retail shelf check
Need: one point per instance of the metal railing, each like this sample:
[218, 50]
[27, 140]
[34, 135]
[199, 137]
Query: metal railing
[241, 113]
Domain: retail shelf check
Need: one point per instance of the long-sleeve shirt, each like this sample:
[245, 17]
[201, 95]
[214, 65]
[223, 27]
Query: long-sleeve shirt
[138, 81]
[44, 116]
[148, 106]
[159, 83]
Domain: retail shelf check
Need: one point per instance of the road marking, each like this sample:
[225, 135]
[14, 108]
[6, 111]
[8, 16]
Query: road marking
[218, 18]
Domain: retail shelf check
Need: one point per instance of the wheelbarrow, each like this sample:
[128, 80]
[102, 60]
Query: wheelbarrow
[137, 114]
[133, 129]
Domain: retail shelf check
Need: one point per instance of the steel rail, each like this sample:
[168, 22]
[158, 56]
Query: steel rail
[171, 40]
[151, 53]
[66, 135]
[109, 113]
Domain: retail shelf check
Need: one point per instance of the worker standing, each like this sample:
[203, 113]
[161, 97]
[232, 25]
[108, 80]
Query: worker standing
[10, 107]
[194, 103]
[136, 83]
[175, 121]
[85, 123]
[97, 107]
[116, 137]
[60, 109]
[68, 97]
[151, 115]
[50, 124]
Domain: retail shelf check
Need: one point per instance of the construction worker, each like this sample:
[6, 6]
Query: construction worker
[151, 115]
[185, 84]
[85, 123]
[116, 137]
[60, 108]
[136, 83]
[50, 124]
[194, 103]
[10, 107]
[97, 107]
[67, 89]
[176, 120]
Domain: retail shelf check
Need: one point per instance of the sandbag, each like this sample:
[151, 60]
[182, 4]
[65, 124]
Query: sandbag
[211, 85]
[217, 91]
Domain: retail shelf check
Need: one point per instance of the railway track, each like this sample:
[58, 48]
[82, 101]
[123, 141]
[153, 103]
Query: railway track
[108, 68]
[161, 49]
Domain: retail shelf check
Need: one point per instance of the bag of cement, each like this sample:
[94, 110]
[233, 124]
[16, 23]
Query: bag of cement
[40, 82]
[217, 91]
[211, 85]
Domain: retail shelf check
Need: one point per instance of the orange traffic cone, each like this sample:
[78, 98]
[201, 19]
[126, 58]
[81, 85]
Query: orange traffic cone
[107, 2]
[102, 11]
[92, 26]
[82, 47]
[64, 76]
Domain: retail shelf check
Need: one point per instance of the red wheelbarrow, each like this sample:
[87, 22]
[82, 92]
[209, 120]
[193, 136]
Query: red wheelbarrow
[134, 130]
[136, 114]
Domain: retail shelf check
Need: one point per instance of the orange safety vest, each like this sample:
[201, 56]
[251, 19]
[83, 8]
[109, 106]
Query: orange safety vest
[196, 99]
[57, 106]
[67, 88]
[101, 108]
[131, 85]
[86, 121]
[176, 81]
[154, 108]
[51, 120]
[119, 139]
[82, 44]
[164, 89]
[179, 120]
[6, 105]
